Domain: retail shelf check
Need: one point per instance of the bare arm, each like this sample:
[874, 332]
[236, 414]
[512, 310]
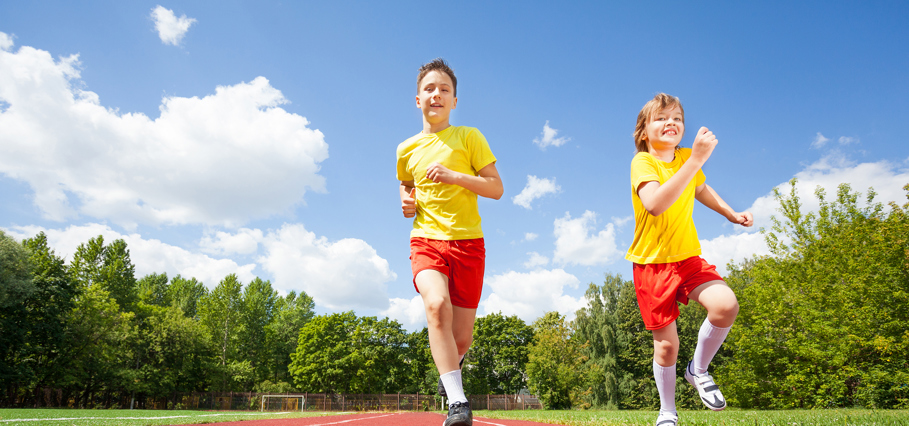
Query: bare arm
[408, 198]
[658, 198]
[708, 197]
[488, 184]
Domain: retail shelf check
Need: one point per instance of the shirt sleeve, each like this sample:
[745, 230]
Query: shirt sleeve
[403, 174]
[480, 153]
[643, 169]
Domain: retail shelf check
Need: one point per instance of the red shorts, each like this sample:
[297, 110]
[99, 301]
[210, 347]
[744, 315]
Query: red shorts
[660, 286]
[462, 261]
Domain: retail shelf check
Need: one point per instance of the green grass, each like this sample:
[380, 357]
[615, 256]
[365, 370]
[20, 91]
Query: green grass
[726, 417]
[66, 417]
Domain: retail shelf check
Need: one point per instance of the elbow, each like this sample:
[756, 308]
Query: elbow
[497, 194]
[654, 211]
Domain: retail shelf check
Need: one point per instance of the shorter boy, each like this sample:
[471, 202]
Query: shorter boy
[442, 170]
[665, 181]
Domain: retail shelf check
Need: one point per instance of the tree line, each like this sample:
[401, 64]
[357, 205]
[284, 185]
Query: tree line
[822, 324]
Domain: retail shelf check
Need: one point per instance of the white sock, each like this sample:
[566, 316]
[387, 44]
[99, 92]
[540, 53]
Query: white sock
[710, 338]
[453, 387]
[665, 382]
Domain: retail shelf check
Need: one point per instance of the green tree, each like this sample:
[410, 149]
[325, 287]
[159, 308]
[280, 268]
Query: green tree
[421, 368]
[323, 361]
[186, 294]
[497, 358]
[220, 312]
[823, 320]
[107, 266]
[292, 312]
[16, 285]
[257, 306]
[555, 360]
[152, 289]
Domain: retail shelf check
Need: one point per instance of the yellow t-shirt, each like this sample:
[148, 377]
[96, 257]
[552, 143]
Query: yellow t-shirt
[444, 211]
[671, 236]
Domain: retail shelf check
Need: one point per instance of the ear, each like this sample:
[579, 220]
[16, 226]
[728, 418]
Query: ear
[455, 104]
[418, 101]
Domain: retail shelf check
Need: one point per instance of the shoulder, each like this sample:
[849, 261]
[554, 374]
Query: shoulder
[642, 157]
[408, 144]
[466, 132]
[684, 153]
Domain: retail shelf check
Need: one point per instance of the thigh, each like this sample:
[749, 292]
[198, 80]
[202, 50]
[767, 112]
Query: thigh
[462, 323]
[714, 295]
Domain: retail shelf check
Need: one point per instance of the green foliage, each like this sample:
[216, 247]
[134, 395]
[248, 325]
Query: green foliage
[555, 361]
[619, 350]
[823, 321]
[220, 313]
[175, 353]
[185, 294]
[107, 266]
[16, 285]
[292, 312]
[496, 361]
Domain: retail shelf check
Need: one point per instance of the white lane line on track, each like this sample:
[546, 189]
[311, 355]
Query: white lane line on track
[489, 423]
[355, 420]
[136, 418]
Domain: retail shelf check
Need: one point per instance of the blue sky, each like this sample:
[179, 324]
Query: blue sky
[258, 138]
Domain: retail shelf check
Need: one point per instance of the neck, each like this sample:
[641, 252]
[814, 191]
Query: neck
[435, 127]
[666, 154]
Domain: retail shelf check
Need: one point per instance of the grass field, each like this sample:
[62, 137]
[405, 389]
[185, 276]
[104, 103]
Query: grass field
[61, 417]
[66, 417]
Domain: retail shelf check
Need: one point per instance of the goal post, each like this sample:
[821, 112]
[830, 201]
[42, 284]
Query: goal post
[284, 402]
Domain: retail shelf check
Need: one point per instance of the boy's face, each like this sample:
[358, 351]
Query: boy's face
[665, 128]
[436, 97]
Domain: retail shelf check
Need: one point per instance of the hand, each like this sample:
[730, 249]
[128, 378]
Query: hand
[409, 204]
[745, 219]
[440, 174]
[703, 145]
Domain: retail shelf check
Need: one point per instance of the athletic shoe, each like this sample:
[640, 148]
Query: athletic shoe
[707, 389]
[667, 419]
[441, 387]
[459, 414]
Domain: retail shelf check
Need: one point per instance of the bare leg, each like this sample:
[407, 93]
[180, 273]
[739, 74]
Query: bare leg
[666, 345]
[450, 327]
[719, 300]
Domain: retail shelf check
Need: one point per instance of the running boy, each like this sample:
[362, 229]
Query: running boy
[442, 169]
[665, 181]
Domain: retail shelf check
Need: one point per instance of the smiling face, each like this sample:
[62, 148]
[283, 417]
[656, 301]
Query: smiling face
[665, 128]
[436, 99]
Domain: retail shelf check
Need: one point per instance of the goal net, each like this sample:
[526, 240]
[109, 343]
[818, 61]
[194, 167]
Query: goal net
[283, 402]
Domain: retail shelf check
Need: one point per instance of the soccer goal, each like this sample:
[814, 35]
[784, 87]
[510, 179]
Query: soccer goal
[283, 402]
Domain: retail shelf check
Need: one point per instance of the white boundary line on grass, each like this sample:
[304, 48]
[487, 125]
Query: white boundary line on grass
[138, 418]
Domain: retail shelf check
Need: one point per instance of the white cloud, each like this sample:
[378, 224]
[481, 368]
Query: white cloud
[535, 260]
[148, 255]
[171, 29]
[529, 295]
[245, 241]
[6, 41]
[885, 177]
[340, 275]
[223, 159]
[819, 141]
[576, 246]
[548, 138]
[847, 140]
[534, 189]
[530, 236]
[410, 313]
[621, 221]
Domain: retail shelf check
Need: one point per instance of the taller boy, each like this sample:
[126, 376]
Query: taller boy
[442, 170]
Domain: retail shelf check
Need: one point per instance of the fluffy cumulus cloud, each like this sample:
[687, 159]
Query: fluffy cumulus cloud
[245, 241]
[409, 312]
[534, 189]
[341, 275]
[148, 255]
[529, 295]
[548, 138]
[887, 179]
[222, 159]
[171, 29]
[579, 243]
[535, 260]
[819, 141]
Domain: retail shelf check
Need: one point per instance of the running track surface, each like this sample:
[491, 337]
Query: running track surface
[377, 419]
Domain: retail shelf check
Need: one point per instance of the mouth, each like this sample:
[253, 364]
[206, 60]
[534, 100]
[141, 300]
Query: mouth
[436, 105]
[670, 132]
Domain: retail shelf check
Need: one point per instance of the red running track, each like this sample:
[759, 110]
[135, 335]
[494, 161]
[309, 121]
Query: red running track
[377, 419]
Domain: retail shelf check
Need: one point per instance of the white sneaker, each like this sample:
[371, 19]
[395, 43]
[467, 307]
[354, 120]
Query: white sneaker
[707, 389]
[667, 419]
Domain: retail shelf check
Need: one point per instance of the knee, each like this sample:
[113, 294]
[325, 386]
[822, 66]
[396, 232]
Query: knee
[438, 310]
[665, 350]
[464, 340]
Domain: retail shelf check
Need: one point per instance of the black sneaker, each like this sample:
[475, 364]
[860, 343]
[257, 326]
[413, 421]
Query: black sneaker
[441, 387]
[459, 414]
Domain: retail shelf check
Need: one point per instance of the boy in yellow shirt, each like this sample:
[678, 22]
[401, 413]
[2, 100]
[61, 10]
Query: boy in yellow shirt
[665, 181]
[442, 170]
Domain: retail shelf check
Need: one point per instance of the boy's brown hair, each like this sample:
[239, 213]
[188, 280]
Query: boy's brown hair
[438, 64]
[659, 102]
